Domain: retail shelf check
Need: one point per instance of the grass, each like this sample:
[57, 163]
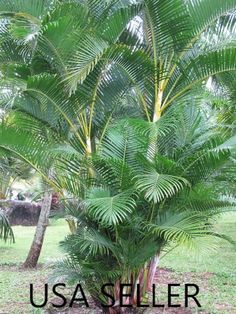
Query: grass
[14, 283]
[16, 253]
[214, 272]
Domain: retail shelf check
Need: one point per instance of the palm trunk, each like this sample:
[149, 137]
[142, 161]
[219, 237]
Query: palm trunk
[35, 250]
[152, 270]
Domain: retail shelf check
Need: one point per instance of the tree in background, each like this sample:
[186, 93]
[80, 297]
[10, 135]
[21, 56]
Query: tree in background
[36, 246]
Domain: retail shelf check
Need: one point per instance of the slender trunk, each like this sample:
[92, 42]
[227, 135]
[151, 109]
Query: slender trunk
[152, 270]
[89, 146]
[151, 153]
[35, 250]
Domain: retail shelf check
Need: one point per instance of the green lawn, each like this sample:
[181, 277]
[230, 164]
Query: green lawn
[17, 281]
[214, 272]
[16, 253]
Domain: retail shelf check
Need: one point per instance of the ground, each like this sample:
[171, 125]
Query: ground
[214, 272]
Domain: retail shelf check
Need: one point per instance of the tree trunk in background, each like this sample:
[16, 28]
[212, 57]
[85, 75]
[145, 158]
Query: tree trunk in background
[35, 250]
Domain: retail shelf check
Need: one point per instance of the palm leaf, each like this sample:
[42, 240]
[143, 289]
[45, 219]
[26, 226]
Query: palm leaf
[157, 187]
[91, 242]
[109, 210]
[5, 228]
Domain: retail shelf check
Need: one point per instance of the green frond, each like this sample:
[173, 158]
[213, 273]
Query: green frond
[123, 143]
[84, 60]
[196, 70]
[109, 210]
[204, 13]
[157, 186]
[5, 228]
[30, 148]
[115, 23]
[91, 242]
[182, 228]
[168, 25]
[129, 252]
[36, 8]
[205, 164]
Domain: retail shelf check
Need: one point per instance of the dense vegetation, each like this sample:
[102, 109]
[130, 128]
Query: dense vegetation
[107, 101]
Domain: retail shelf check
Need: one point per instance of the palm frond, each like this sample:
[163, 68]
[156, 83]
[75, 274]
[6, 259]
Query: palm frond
[109, 210]
[6, 231]
[157, 186]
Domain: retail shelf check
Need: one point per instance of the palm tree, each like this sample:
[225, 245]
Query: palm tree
[175, 52]
[139, 205]
[47, 69]
[139, 199]
[77, 60]
[70, 64]
[34, 67]
[160, 61]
